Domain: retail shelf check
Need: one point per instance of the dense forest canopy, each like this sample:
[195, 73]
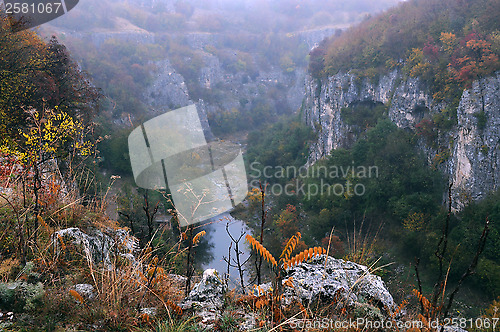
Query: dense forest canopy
[446, 43]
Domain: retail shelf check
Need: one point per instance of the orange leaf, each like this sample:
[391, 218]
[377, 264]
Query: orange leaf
[76, 295]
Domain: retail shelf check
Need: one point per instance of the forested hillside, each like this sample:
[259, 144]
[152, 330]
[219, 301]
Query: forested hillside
[413, 87]
[386, 93]
[447, 44]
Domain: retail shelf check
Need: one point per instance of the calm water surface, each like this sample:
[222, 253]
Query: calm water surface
[220, 242]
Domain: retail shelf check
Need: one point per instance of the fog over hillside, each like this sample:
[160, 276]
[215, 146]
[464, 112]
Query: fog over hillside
[245, 62]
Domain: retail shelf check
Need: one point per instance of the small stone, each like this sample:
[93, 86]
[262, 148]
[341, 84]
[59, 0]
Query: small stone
[151, 312]
[85, 290]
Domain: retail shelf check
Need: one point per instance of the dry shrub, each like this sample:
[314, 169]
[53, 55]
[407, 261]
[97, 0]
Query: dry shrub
[6, 267]
[125, 287]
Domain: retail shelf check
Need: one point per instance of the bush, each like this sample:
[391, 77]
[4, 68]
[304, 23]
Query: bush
[364, 114]
[20, 296]
[481, 119]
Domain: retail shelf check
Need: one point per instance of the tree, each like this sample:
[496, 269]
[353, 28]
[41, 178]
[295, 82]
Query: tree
[317, 61]
[35, 75]
[50, 136]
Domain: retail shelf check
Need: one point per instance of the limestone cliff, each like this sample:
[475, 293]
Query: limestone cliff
[468, 153]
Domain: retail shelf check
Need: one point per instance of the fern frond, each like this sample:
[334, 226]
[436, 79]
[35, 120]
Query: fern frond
[290, 246]
[261, 250]
[63, 245]
[145, 317]
[261, 302]
[174, 307]
[303, 256]
[198, 236]
[426, 304]
[303, 310]
[400, 307]
[289, 282]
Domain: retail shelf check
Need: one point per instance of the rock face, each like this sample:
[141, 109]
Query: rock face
[98, 245]
[168, 88]
[206, 297]
[226, 87]
[243, 85]
[226, 90]
[471, 150]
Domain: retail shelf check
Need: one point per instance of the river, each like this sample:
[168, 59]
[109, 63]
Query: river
[220, 242]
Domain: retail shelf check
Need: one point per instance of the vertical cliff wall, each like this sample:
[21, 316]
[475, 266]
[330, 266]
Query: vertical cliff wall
[468, 153]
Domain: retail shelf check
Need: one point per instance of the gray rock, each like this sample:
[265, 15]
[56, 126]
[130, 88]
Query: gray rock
[97, 245]
[168, 89]
[208, 292]
[474, 165]
[211, 73]
[177, 278]
[351, 285]
[249, 321]
[85, 290]
[206, 298]
[151, 312]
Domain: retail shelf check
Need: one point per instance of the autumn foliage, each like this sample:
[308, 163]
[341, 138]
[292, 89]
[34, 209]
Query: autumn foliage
[37, 75]
[423, 38]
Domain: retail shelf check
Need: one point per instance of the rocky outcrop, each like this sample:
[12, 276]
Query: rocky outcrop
[325, 99]
[206, 298]
[474, 165]
[97, 245]
[230, 86]
[225, 86]
[348, 284]
[471, 150]
[168, 88]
